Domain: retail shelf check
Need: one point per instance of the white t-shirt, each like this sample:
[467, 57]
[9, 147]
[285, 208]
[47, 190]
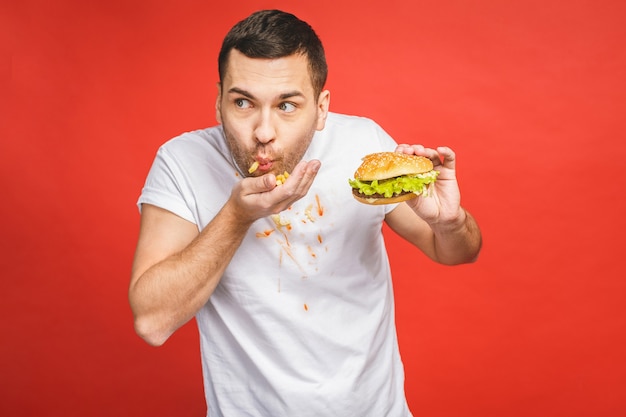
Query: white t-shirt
[302, 321]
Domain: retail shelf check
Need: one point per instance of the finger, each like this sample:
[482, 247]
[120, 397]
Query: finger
[432, 154]
[255, 185]
[448, 156]
[305, 173]
[403, 148]
[312, 168]
[410, 149]
[296, 186]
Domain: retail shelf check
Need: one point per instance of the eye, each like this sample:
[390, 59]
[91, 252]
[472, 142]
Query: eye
[242, 103]
[287, 107]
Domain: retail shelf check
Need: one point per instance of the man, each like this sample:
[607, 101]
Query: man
[290, 282]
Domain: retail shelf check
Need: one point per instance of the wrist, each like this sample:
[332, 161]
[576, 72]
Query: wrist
[452, 223]
[237, 218]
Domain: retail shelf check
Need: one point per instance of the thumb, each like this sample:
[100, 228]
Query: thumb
[265, 182]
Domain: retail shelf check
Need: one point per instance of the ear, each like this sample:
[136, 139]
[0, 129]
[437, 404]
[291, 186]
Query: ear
[218, 103]
[323, 103]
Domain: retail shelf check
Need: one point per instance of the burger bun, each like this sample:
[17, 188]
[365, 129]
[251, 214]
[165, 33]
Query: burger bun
[384, 165]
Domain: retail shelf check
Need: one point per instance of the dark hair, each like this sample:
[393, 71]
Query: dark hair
[276, 34]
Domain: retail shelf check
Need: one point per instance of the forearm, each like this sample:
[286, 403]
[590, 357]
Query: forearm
[458, 241]
[169, 293]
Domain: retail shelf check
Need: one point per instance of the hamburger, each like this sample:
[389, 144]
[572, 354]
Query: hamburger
[392, 177]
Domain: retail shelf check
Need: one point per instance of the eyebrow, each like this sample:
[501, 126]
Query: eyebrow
[249, 95]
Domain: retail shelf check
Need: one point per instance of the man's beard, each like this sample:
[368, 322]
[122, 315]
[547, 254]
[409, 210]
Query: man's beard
[281, 162]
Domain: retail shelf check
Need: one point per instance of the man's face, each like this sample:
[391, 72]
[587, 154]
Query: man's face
[268, 110]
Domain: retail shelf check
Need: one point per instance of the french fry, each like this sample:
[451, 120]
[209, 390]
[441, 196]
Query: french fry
[281, 178]
[253, 167]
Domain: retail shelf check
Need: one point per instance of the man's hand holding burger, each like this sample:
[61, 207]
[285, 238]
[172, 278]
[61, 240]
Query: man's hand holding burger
[432, 218]
[442, 204]
[454, 236]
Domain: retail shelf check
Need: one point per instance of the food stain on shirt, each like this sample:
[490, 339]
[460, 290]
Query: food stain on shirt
[308, 213]
[265, 233]
[285, 223]
[286, 249]
[320, 209]
[281, 221]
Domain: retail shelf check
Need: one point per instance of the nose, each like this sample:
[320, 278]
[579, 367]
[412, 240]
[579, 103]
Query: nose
[265, 131]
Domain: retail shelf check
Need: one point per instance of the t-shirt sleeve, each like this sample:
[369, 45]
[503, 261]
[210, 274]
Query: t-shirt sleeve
[387, 143]
[163, 187]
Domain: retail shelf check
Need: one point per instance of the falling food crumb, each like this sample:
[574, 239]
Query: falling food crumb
[306, 307]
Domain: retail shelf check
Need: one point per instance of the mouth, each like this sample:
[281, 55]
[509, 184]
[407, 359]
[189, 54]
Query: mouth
[264, 164]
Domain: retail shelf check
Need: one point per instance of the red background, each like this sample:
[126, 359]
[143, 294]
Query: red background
[530, 94]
